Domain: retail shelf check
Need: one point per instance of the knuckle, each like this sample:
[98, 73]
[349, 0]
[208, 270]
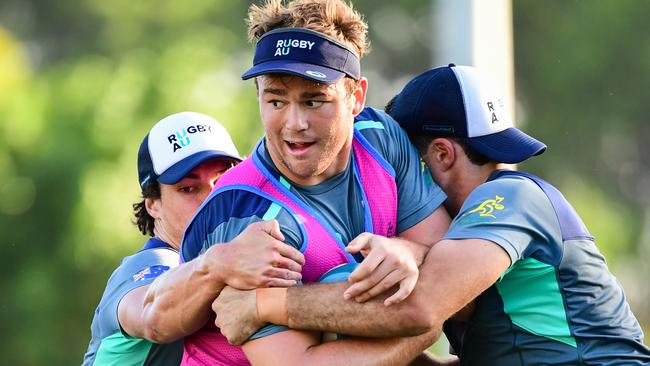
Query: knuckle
[273, 283]
[266, 282]
[384, 286]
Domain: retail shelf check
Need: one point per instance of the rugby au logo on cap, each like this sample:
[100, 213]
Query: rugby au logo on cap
[305, 53]
[283, 47]
[181, 139]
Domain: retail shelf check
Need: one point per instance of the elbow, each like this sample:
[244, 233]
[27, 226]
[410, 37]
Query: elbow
[416, 322]
[418, 316]
[159, 338]
[153, 326]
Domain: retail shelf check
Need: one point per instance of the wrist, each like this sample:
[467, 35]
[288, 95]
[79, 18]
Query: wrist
[211, 266]
[272, 305]
[418, 251]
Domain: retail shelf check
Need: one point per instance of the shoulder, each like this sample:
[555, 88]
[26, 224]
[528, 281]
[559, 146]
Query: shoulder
[166, 256]
[374, 122]
[507, 196]
[145, 264]
[227, 212]
[139, 269]
[232, 202]
[510, 187]
[383, 133]
[511, 211]
[222, 205]
[217, 210]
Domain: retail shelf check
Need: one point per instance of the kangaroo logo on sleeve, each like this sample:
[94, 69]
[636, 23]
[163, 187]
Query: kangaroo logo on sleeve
[488, 207]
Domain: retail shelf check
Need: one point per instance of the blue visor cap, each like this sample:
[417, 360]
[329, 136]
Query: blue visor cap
[305, 53]
[509, 146]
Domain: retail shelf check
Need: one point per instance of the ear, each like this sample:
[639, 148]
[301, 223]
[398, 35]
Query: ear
[359, 95]
[153, 207]
[442, 153]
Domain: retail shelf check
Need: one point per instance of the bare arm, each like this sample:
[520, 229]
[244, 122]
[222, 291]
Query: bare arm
[454, 272]
[178, 303]
[430, 230]
[303, 348]
[385, 258]
[129, 314]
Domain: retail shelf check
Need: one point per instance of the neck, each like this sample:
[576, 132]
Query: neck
[162, 234]
[465, 180]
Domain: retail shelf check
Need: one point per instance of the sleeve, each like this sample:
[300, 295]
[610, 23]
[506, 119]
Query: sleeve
[226, 214]
[144, 267]
[138, 270]
[510, 212]
[418, 196]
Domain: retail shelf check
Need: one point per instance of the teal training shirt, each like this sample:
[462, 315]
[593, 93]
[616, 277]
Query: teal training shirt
[109, 344]
[557, 303]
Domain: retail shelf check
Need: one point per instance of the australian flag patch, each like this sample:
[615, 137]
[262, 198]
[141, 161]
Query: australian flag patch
[150, 272]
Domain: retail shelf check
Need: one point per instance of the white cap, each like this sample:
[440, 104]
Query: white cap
[180, 142]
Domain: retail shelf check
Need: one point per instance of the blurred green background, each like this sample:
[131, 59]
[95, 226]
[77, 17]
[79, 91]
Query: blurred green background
[81, 82]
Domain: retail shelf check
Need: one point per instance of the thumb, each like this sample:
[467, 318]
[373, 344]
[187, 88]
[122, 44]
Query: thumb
[361, 242]
[272, 227]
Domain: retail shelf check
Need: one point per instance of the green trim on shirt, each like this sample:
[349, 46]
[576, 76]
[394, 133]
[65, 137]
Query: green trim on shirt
[118, 350]
[272, 212]
[285, 182]
[531, 284]
[362, 125]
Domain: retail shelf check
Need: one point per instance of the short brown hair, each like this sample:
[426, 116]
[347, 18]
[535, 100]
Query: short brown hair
[143, 220]
[334, 18]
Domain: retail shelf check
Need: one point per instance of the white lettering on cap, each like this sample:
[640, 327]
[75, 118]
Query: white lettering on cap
[283, 46]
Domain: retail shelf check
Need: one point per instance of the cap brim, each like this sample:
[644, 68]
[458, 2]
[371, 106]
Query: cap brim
[179, 170]
[317, 73]
[508, 146]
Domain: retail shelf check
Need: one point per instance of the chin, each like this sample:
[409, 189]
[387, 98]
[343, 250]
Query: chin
[304, 173]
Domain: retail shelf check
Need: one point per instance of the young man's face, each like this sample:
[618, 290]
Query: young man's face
[308, 125]
[178, 202]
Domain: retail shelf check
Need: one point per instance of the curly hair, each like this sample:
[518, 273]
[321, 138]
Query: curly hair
[143, 220]
[334, 18]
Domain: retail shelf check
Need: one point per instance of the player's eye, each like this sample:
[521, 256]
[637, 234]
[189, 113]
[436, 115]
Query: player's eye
[187, 189]
[277, 103]
[314, 103]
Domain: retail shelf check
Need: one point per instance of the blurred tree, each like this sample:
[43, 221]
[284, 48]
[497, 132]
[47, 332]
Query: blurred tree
[81, 82]
[582, 77]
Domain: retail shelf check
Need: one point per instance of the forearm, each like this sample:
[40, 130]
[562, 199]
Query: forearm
[303, 348]
[178, 303]
[364, 351]
[453, 273]
[322, 307]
